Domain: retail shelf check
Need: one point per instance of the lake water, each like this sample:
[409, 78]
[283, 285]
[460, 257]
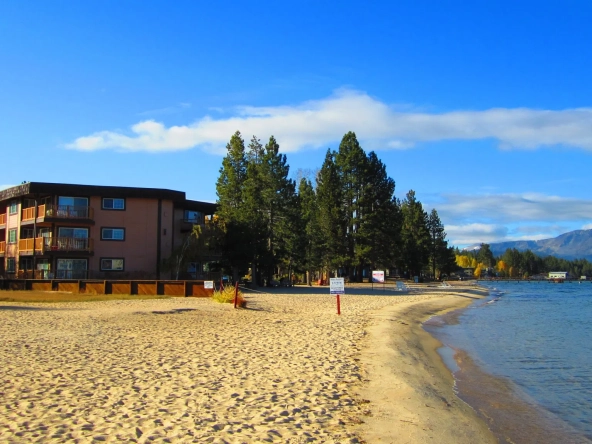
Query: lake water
[522, 358]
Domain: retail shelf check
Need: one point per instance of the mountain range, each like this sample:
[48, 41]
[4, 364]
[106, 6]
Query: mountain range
[572, 245]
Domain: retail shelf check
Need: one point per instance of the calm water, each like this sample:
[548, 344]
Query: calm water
[523, 359]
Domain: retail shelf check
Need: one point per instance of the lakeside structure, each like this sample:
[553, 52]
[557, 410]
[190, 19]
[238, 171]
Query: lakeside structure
[67, 231]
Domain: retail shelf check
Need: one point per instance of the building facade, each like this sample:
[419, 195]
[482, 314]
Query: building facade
[66, 231]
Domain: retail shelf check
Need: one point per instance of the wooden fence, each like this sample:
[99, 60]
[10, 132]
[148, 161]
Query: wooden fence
[133, 287]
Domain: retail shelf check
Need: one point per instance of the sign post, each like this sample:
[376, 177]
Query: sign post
[337, 287]
[378, 277]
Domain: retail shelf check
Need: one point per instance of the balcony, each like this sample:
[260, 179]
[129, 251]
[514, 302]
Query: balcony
[2, 248]
[45, 245]
[3, 219]
[58, 212]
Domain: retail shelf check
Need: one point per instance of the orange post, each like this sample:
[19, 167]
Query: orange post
[338, 305]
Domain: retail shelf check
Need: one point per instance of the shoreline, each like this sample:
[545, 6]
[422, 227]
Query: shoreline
[511, 414]
[410, 388]
[286, 369]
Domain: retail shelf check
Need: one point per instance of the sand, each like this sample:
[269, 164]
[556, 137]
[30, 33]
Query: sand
[286, 369]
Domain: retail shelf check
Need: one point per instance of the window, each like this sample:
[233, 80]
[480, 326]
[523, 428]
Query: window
[73, 201]
[26, 233]
[13, 208]
[12, 236]
[192, 216]
[77, 233]
[116, 234]
[112, 264]
[113, 203]
[71, 268]
[10, 265]
[26, 264]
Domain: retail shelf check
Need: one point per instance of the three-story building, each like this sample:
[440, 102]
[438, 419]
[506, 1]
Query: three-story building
[66, 231]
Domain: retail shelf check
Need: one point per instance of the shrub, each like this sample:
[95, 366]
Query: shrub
[226, 296]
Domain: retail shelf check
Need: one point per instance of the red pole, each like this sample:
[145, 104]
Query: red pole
[338, 305]
[235, 294]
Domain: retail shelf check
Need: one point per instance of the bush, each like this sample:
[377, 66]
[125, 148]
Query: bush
[226, 296]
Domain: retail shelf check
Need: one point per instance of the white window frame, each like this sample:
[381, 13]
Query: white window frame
[114, 201]
[12, 231]
[112, 261]
[9, 268]
[13, 207]
[75, 231]
[113, 230]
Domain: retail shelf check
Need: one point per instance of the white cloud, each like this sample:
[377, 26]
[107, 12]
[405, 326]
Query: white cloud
[317, 123]
[490, 218]
[514, 208]
[475, 233]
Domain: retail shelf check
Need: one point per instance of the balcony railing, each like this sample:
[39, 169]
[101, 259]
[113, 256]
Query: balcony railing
[26, 245]
[2, 247]
[58, 211]
[70, 244]
[46, 244]
[3, 219]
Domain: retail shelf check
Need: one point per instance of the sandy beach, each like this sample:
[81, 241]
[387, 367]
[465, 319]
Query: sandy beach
[285, 369]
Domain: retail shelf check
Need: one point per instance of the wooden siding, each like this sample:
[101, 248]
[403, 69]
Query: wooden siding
[140, 287]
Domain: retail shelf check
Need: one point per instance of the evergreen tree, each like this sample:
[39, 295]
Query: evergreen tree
[438, 243]
[253, 191]
[378, 233]
[280, 206]
[415, 235]
[231, 209]
[353, 169]
[332, 221]
[310, 235]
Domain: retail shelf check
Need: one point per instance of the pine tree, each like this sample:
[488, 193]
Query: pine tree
[332, 220]
[377, 242]
[310, 234]
[438, 243]
[231, 209]
[353, 165]
[415, 235]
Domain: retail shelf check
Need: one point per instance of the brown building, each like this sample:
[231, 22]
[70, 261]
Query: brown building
[64, 231]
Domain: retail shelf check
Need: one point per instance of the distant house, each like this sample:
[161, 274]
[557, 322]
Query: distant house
[558, 275]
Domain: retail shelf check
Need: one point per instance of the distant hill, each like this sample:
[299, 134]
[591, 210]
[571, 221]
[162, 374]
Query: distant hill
[573, 245]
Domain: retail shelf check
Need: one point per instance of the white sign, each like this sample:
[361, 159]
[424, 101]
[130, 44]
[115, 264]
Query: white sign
[209, 285]
[378, 276]
[337, 286]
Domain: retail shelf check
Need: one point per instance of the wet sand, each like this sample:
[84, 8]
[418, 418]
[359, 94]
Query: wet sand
[509, 412]
[286, 369]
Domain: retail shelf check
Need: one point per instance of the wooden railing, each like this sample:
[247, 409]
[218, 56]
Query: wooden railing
[3, 219]
[2, 247]
[69, 244]
[44, 244]
[58, 211]
[26, 245]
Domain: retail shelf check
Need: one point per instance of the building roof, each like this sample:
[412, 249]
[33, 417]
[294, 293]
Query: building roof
[39, 189]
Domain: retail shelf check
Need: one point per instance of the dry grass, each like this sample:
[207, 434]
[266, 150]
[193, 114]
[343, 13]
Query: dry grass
[226, 296]
[63, 296]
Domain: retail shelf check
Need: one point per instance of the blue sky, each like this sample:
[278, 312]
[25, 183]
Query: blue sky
[484, 109]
